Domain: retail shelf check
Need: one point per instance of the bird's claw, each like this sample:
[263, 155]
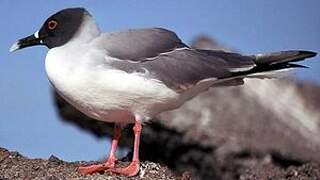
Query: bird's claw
[131, 170]
[85, 170]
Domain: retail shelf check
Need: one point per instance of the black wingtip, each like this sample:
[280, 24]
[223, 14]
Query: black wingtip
[308, 54]
[296, 66]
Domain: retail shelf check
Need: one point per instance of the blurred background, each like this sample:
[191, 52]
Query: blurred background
[265, 119]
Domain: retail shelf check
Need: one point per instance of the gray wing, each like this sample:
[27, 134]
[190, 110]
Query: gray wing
[139, 44]
[183, 68]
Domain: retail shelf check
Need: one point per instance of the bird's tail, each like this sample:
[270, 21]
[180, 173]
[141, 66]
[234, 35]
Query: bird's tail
[267, 65]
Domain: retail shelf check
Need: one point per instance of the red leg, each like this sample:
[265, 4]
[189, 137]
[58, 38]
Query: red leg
[110, 163]
[134, 166]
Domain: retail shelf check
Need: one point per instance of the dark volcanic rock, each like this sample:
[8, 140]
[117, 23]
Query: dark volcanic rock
[15, 166]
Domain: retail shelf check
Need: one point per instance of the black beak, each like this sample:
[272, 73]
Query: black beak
[31, 40]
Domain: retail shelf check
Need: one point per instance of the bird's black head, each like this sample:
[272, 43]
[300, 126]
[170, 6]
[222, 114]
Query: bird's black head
[57, 30]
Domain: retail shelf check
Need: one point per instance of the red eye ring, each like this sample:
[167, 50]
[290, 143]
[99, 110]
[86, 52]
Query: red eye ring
[52, 24]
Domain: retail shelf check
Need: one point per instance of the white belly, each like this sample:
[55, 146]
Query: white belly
[107, 94]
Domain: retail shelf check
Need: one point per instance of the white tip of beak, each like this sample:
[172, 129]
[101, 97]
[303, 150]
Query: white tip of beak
[14, 47]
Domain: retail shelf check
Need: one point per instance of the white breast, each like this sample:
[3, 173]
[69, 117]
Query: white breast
[102, 92]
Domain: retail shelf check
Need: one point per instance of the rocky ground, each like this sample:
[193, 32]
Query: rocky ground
[15, 166]
[303, 172]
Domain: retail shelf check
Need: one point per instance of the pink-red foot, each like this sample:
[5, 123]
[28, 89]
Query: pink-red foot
[96, 168]
[129, 171]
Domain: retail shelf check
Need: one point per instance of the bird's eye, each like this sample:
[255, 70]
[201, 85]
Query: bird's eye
[52, 24]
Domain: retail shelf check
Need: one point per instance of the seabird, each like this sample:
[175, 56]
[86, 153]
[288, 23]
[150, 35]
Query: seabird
[131, 76]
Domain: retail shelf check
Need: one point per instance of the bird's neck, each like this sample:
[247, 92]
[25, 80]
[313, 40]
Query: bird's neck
[87, 32]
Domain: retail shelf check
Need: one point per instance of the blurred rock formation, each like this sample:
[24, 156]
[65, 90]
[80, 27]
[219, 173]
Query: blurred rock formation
[227, 130]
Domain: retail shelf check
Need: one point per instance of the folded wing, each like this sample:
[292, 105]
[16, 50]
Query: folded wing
[161, 55]
[139, 44]
[183, 68]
